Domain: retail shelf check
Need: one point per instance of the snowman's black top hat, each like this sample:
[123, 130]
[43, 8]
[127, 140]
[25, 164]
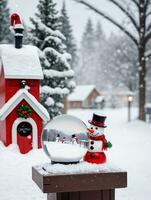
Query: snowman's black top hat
[98, 120]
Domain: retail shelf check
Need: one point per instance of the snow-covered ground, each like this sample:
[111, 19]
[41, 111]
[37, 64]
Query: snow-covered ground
[15, 174]
[131, 147]
[130, 151]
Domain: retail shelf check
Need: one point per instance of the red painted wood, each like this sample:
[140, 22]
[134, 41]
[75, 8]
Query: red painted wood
[2, 89]
[9, 123]
[8, 88]
[13, 85]
[27, 143]
[2, 102]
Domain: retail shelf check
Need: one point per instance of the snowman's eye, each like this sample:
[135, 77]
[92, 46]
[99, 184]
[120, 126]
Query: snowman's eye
[96, 128]
[91, 127]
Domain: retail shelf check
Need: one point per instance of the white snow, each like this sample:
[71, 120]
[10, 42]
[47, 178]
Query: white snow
[72, 153]
[60, 56]
[56, 39]
[131, 152]
[55, 33]
[68, 56]
[99, 99]
[148, 105]
[21, 63]
[15, 174]
[82, 167]
[17, 98]
[17, 26]
[71, 84]
[49, 101]
[48, 90]
[81, 92]
[59, 104]
[61, 74]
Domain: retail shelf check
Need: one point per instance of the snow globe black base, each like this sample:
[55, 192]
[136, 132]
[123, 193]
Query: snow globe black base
[64, 163]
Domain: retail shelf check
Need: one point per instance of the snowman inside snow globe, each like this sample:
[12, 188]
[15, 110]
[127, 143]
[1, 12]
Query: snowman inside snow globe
[65, 139]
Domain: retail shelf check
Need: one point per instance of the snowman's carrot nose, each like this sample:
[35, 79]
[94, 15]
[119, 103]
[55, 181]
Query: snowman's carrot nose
[90, 130]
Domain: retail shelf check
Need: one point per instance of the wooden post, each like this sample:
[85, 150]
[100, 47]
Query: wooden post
[96, 186]
[129, 111]
[87, 195]
[65, 109]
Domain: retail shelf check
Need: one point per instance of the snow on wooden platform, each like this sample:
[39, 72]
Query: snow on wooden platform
[80, 168]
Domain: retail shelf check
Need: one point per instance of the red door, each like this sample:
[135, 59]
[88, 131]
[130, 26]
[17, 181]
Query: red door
[24, 137]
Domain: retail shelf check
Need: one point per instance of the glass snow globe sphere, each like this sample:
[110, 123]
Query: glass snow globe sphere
[64, 139]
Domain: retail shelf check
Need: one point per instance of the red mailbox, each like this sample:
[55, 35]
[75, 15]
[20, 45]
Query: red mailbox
[21, 114]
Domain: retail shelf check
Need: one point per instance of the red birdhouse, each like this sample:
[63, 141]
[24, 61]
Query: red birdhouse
[21, 114]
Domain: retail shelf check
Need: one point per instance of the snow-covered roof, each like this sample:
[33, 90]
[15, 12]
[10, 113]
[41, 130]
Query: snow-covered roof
[31, 100]
[99, 99]
[21, 63]
[123, 91]
[81, 92]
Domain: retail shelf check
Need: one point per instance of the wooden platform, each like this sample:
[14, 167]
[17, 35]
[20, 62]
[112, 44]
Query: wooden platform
[94, 186]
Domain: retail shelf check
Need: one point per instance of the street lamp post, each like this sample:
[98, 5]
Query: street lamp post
[129, 99]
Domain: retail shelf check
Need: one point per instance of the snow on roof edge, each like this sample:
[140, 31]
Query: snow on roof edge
[81, 92]
[23, 77]
[17, 98]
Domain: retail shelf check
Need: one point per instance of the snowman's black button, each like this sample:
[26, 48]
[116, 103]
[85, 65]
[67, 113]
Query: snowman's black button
[91, 147]
[92, 142]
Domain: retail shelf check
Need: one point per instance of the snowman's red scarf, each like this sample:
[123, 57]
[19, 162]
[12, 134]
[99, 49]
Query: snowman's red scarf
[102, 138]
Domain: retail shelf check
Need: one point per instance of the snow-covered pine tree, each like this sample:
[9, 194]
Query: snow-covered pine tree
[122, 62]
[26, 38]
[5, 35]
[58, 75]
[66, 29]
[100, 57]
[87, 56]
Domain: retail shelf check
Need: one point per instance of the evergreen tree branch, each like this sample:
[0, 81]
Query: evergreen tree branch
[148, 54]
[98, 11]
[45, 35]
[147, 4]
[148, 27]
[136, 3]
[148, 14]
[117, 4]
[147, 37]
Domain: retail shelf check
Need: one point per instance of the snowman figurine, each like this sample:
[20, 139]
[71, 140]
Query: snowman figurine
[74, 139]
[58, 138]
[63, 140]
[97, 141]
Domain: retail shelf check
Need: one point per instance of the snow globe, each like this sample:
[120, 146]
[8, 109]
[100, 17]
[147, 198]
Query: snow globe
[65, 140]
